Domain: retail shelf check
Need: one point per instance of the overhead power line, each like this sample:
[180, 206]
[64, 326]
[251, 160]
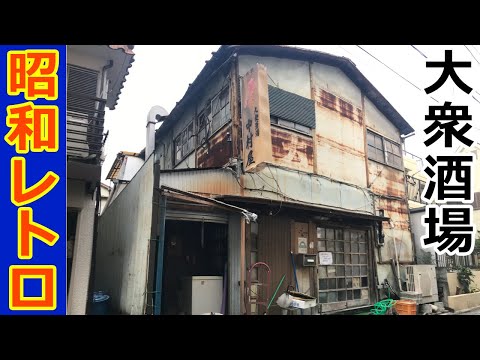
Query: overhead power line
[426, 57]
[472, 54]
[388, 67]
[474, 48]
[421, 53]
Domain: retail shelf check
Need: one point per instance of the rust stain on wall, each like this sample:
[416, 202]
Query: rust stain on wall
[341, 106]
[346, 109]
[396, 210]
[292, 150]
[340, 146]
[386, 180]
[328, 100]
[216, 152]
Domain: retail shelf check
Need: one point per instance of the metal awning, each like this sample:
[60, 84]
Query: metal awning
[191, 197]
[318, 208]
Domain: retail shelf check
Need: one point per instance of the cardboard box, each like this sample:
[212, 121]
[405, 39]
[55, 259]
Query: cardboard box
[301, 301]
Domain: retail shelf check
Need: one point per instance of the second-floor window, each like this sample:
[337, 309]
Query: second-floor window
[220, 109]
[203, 125]
[214, 115]
[384, 150]
[291, 110]
[184, 143]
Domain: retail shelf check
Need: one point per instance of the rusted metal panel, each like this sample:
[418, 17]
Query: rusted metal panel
[274, 249]
[397, 211]
[278, 183]
[336, 82]
[339, 138]
[275, 183]
[291, 149]
[217, 150]
[211, 181]
[337, 104]
[385, 180]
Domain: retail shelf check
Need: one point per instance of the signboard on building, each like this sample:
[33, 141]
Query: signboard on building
[325, 258]
[256, 133]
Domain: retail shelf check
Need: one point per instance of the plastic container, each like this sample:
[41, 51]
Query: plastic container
[406, 307]
[100, 304]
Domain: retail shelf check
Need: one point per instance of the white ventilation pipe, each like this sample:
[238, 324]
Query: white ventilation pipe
[155, 115]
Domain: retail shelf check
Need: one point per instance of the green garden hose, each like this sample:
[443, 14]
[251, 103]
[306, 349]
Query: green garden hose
[381, 307]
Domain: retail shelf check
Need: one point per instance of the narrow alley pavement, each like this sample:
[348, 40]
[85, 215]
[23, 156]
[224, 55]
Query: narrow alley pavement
[475, 311]
[472, 312]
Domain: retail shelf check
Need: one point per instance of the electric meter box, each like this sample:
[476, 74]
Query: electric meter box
[309, 259]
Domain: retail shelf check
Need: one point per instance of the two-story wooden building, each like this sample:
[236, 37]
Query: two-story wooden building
[273, 155]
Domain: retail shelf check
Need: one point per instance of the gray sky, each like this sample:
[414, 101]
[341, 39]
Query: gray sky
[161, 73]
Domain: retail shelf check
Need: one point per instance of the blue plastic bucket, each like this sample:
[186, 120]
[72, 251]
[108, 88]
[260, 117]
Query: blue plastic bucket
[100, 304]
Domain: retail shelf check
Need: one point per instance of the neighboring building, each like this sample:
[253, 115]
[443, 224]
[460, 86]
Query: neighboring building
[416, 181]
[123, 169]
[475, 149]
[273, 150]
[95, 78]
[104, 195]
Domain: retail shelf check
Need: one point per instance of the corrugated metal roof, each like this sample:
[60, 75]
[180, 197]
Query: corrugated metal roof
[201, 181]
[292, 107]
[117, 164]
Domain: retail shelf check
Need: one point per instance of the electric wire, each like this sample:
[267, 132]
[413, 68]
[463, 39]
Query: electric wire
[421, 53]
[473, 56]
[388, 67]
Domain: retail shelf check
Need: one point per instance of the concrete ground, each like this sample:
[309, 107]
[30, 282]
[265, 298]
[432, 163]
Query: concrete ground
[471, 312]
[475, 311]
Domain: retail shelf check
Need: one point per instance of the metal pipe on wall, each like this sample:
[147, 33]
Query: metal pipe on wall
[91, 281]
[159, 261]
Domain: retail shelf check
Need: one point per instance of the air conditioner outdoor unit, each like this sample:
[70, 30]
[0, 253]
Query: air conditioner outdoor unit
[421, 284]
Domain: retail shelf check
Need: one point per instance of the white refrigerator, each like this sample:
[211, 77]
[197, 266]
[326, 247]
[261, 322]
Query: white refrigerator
[202, 294]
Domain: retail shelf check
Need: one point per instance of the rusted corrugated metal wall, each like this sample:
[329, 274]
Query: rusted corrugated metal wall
[291, 149]
[205, 181]
[217, 151]
[234, 266]
[274, 249]
[339, 138]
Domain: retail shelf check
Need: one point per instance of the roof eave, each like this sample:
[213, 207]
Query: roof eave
[123, 58]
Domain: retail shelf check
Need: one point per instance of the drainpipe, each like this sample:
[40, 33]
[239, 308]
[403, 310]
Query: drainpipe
[414, 250]
[403, 137]
[392, 225]
[91, 281]
[159, 261]
[104, 89]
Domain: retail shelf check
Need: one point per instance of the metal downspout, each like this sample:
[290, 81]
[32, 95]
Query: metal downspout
[159, 263]
[414, 249]
[91, 281]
